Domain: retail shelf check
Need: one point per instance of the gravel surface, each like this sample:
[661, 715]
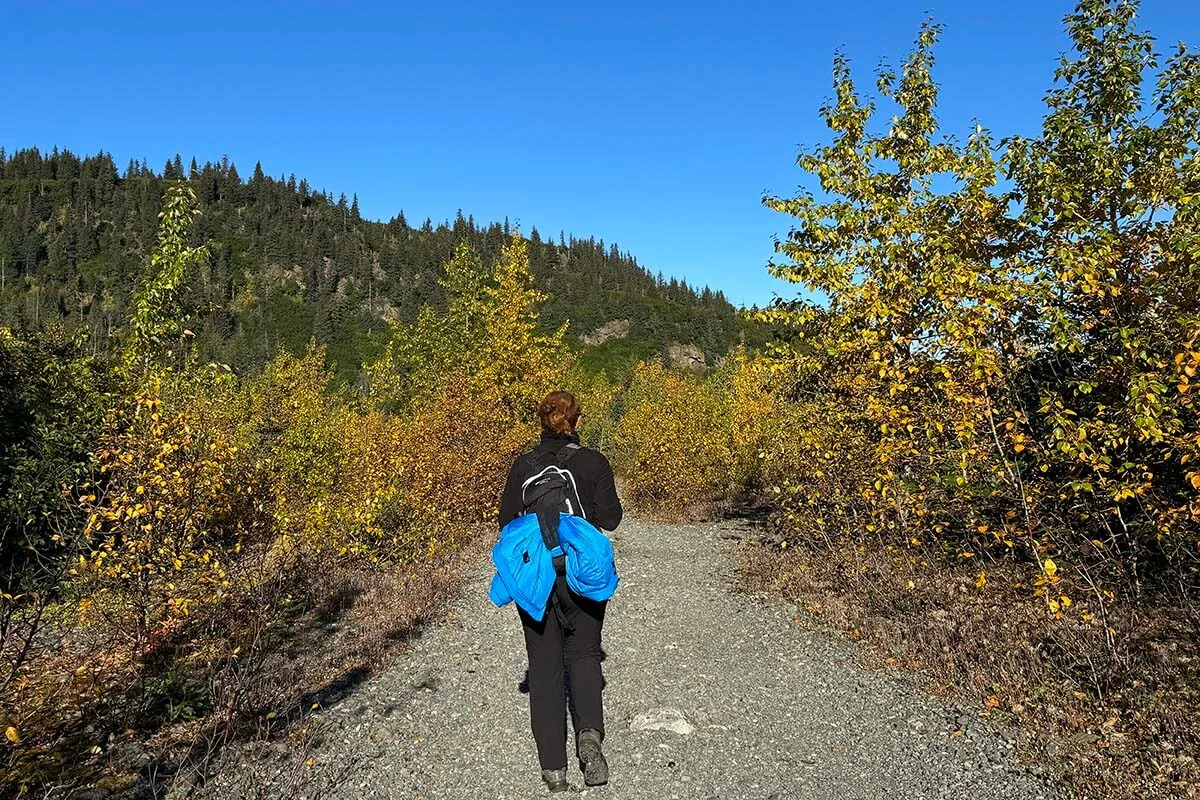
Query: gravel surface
[710, 695]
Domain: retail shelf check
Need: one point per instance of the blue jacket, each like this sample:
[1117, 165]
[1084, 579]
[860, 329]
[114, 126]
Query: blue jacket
[525, 569]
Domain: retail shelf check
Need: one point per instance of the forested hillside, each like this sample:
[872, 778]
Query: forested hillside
[288, 263]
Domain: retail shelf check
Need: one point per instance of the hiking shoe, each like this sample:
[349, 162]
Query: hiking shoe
[556, 779]
[591, 758]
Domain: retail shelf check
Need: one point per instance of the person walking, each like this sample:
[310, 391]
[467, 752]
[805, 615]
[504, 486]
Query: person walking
[564, 646]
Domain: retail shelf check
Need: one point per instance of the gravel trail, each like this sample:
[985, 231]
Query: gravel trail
[774, 711]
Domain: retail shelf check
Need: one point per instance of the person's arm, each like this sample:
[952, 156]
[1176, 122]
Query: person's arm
[511, 505]
[606, 509]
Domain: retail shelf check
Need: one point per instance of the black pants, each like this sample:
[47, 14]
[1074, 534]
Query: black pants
[564, 668]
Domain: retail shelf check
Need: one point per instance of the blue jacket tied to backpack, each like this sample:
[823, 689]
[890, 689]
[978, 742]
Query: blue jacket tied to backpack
[525, 566]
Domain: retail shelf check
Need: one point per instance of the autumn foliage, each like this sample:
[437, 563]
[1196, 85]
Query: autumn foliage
[984, 396]
[990, 373]
[670, 443]
[205, 504]
[1004, 360]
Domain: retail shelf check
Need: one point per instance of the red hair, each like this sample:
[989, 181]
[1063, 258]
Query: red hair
[560, 413]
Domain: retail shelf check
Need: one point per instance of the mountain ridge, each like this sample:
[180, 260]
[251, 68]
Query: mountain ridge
[289, 264]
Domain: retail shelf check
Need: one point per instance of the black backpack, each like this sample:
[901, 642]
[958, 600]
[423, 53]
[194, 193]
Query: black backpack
[551, 491]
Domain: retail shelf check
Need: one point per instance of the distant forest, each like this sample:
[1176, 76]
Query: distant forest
[290, 263]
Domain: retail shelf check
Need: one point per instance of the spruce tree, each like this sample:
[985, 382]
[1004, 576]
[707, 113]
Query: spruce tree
[53, 240]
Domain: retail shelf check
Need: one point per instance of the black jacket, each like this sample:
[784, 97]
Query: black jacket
[593, 480]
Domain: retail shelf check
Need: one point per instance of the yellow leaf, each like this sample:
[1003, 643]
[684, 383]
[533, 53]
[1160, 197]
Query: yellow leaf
[981, 581]
[12, 735]
[1050, 567]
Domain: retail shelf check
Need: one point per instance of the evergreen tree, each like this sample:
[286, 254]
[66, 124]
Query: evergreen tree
[284, 269]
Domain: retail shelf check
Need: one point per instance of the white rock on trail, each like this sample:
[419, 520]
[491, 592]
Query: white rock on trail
[663, 719]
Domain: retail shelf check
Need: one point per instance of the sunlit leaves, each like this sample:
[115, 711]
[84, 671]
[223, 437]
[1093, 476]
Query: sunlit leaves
[1004, 355]
[157, 322]
[674, 442]
[488, 332]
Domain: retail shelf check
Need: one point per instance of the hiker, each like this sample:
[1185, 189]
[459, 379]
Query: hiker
[562, 637]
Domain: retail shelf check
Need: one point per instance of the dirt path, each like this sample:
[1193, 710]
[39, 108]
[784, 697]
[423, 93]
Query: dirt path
[760, 707]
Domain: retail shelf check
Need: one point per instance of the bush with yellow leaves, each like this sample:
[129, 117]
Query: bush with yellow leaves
[1005, 368]
[172, 505]
[600, 398]
[673, 444]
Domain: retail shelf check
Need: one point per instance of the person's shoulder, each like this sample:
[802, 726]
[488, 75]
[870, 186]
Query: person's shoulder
[591, 456]
[522, 462]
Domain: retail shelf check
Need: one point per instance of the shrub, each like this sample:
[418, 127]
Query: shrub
[673, 445]
[1001, 368]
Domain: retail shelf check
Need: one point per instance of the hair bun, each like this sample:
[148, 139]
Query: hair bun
[559, 413]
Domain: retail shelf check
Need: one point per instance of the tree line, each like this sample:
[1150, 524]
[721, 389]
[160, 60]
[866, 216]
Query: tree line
[288, 263]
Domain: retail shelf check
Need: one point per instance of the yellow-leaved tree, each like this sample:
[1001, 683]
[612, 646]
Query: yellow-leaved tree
[1001, 354]
[466, 379]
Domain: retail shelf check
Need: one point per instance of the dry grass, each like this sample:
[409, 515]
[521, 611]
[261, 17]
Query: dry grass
[1111, 705]
[250, 676]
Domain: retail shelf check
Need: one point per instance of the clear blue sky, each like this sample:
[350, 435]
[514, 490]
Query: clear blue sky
[654, 125]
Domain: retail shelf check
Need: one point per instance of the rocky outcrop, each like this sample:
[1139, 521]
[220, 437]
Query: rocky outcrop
[686, 356]
[285, 277]
[614, 329]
